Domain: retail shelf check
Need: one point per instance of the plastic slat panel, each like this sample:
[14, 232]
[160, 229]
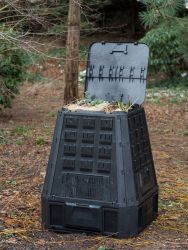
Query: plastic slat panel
[117, 72]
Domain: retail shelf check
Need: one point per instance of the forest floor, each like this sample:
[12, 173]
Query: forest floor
[25, 139]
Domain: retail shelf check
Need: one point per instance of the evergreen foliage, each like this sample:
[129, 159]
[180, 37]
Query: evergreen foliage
[159, 11]
[168, 34]
[12, 69]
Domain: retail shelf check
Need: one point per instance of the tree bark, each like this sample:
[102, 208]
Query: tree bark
[72, 56]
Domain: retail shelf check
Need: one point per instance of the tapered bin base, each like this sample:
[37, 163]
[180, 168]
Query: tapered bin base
[100, 176]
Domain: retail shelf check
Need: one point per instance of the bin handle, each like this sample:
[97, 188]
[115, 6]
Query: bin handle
[120, 51]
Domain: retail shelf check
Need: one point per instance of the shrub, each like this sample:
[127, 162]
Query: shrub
[166, 52]
[12, 69]
[168, 35]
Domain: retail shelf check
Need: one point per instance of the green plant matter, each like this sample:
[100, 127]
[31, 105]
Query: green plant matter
[165, 49]
[159, 11]
[57, 52]
[178, 81]
[83, 52]
[125, 107]
[4, 137]
[105, 248]
[96, 102]
[21, 131]
[12, 66]
[40, 142]
[175, 89]
[61, 52]
[168, 35]
[90, 100]
[12, 182]
[35, 77]
[82, 76]
[52, 114]
[185, 132]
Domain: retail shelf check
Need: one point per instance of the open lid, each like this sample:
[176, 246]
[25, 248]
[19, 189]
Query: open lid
[117, 72]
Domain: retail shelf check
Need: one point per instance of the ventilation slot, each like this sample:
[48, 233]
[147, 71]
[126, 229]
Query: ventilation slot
[56, 215]
[71, 122]
[70, 136]
[105, 139]
[88, 138]
[68, 164]
[110, 221]
[106, 124]
[89, 123]
[105, 153]
[83, 218]
[86, 166]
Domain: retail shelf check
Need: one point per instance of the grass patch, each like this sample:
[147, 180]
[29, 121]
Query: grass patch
[61, 52]
[4, 137]
[170, 83]
[21, 131]
[52, 114]
[12, 182]
[185, 132]
[15, 136]
[41, 142]
[175, 90]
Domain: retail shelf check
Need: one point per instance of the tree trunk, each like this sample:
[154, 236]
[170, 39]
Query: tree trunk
[72, 57]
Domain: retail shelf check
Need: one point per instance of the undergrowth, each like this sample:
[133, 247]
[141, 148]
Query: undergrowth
[174, 89]
[61, 52]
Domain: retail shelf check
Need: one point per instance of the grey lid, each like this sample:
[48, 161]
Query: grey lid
[117, 72]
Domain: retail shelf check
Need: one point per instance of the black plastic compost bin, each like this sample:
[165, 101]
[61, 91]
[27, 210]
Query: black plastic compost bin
[100, 176]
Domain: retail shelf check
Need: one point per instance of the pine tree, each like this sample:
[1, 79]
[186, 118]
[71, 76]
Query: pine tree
[167, 21]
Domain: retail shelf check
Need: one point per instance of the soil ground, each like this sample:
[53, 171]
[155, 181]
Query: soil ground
[25, 139]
